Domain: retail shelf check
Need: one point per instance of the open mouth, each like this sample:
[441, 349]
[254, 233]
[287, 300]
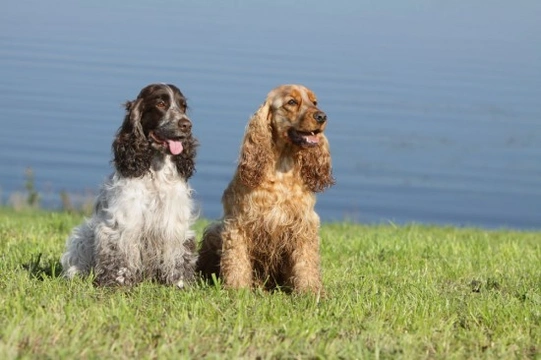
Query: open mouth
[173, 145]
[304, 138]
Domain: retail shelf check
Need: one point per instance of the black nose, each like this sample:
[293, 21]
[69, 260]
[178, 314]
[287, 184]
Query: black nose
[185, 125]
[320, 117]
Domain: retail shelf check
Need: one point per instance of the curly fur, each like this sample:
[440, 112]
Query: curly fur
[140, 228]
[268, 235]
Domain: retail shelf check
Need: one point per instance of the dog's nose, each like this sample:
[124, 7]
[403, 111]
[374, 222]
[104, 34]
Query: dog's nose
[320, 117]
[185, 125]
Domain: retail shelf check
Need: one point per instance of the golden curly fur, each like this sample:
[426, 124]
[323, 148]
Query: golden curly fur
[268, 235]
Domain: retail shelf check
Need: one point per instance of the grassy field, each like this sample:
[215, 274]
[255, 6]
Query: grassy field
[407, 292]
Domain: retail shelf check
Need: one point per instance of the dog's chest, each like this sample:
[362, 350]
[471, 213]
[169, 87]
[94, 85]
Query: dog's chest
[282, 196]
[286, 183]
[152, 203]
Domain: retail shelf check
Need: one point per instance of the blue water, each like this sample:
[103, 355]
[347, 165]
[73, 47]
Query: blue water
[434, 107]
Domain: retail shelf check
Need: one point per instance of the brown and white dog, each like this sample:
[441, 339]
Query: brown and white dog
[141, 224]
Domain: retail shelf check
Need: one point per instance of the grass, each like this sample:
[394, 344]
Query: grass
[392, 292]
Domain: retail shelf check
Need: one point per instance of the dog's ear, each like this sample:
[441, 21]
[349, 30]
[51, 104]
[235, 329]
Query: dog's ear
[185, 161]
[315, 166]
[256, 151]
[130, 147]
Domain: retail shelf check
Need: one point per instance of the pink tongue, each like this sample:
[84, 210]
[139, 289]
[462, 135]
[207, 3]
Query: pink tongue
[175, 147]
[312, 139]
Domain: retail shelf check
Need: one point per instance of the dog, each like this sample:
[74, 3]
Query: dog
[141, 225]
[268, 235]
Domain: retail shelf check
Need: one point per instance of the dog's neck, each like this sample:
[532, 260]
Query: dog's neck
[158, 161]
[162, 166]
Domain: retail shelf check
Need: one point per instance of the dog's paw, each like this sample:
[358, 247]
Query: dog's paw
[122, 275]
[180, 283]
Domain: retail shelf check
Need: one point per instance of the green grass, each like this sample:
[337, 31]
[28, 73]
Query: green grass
[392, 292]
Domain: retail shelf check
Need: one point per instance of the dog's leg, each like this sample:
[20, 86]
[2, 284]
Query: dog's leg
[118, 259]
[305, 276]
[183, 270]
[79, 256]
[208, 262]
[235, 264]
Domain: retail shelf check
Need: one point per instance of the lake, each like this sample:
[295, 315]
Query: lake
[434, 107]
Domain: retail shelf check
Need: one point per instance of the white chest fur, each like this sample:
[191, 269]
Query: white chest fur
[157, 204]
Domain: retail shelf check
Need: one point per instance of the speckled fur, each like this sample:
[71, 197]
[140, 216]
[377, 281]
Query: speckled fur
[141, 226]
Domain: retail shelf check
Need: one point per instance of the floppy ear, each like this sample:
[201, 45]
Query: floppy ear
[185, 161]
[130, 147]
[316, 167]
[256, 150]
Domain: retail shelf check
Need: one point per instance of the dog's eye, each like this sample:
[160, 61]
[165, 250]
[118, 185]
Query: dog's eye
[161, 104]
[292, 102]
[314, 102]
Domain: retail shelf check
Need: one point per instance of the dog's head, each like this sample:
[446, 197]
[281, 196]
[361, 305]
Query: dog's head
[156, 124]
[289, 123]
[295, 116]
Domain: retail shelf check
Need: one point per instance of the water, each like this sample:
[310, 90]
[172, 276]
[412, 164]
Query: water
[434, 108]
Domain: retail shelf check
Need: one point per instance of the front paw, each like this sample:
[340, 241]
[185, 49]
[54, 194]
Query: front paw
[180, 284]
[116, 277]
[122, 276]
